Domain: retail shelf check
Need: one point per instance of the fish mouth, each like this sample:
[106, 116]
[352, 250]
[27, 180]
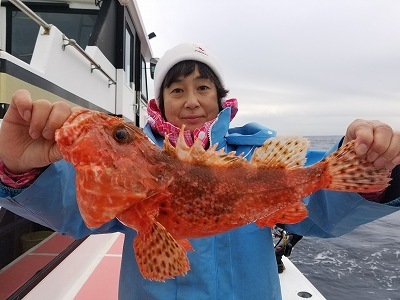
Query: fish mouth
[71, 131]
[78, 116]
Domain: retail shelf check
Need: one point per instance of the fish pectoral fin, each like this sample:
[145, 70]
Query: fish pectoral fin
[159, 255]
[352, 173]
[281, 152]
[288, 215]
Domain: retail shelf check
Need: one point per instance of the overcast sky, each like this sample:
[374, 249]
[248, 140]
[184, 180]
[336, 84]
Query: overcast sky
[306, 67]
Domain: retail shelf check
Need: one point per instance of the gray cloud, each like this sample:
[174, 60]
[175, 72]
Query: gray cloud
[300, 66]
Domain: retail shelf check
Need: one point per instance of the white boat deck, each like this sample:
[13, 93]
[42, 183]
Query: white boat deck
[295, 285]
[92, 271]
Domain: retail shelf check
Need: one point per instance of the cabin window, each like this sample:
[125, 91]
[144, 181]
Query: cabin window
[129, 57]
[143, 80]
[22, 31]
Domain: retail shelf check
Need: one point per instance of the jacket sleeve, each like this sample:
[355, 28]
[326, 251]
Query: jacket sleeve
[51, 202]
[331, 213]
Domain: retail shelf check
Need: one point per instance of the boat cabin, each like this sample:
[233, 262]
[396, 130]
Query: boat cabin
[90, 53]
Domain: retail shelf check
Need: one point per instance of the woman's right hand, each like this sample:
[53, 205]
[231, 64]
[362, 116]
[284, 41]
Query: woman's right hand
[27, 132]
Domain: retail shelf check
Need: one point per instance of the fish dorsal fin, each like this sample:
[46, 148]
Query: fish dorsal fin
[281, 152]
[196, 154]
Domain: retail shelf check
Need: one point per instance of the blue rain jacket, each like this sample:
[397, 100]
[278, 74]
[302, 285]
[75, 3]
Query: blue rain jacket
[239, 264]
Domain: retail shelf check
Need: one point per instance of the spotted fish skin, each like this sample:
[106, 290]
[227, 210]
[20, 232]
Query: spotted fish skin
[172, 194]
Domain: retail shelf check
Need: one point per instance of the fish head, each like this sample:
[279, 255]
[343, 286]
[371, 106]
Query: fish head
[112, 160]
[95, 138]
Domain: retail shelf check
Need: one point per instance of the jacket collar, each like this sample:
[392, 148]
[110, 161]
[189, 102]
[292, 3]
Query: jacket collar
[232, 139]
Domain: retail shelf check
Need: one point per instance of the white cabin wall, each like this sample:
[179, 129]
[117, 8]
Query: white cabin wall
[72, 71]
[126, 101]
[143, 114]
[98, 56]
[2, 28]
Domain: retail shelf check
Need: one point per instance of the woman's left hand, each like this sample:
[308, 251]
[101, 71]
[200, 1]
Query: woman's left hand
[375, 140]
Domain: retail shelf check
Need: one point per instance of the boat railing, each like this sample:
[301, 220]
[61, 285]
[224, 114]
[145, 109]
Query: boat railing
[95, 66]
[66, 41]
[31, 14]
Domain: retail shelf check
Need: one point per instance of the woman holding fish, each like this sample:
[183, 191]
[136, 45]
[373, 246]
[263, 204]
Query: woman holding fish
[190, 196]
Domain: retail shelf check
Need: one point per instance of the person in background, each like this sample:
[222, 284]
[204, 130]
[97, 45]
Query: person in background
[38, 184]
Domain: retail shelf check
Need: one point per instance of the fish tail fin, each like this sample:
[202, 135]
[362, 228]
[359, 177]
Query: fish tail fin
[159, 255]
[352, 173]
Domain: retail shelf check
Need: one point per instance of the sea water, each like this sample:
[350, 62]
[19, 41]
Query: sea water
[363, 264]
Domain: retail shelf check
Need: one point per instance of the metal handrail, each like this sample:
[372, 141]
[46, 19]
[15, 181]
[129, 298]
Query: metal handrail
[66, 41]
[31, 14]
[95, 66]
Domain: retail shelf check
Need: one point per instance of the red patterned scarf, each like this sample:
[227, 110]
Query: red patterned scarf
[163, 127]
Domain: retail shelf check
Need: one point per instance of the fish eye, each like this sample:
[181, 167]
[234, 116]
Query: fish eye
[122, 135]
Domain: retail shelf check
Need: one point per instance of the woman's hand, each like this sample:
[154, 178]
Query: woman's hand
[27, 132]
[375, 140]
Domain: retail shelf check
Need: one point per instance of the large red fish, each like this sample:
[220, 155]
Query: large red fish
[171, 194]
